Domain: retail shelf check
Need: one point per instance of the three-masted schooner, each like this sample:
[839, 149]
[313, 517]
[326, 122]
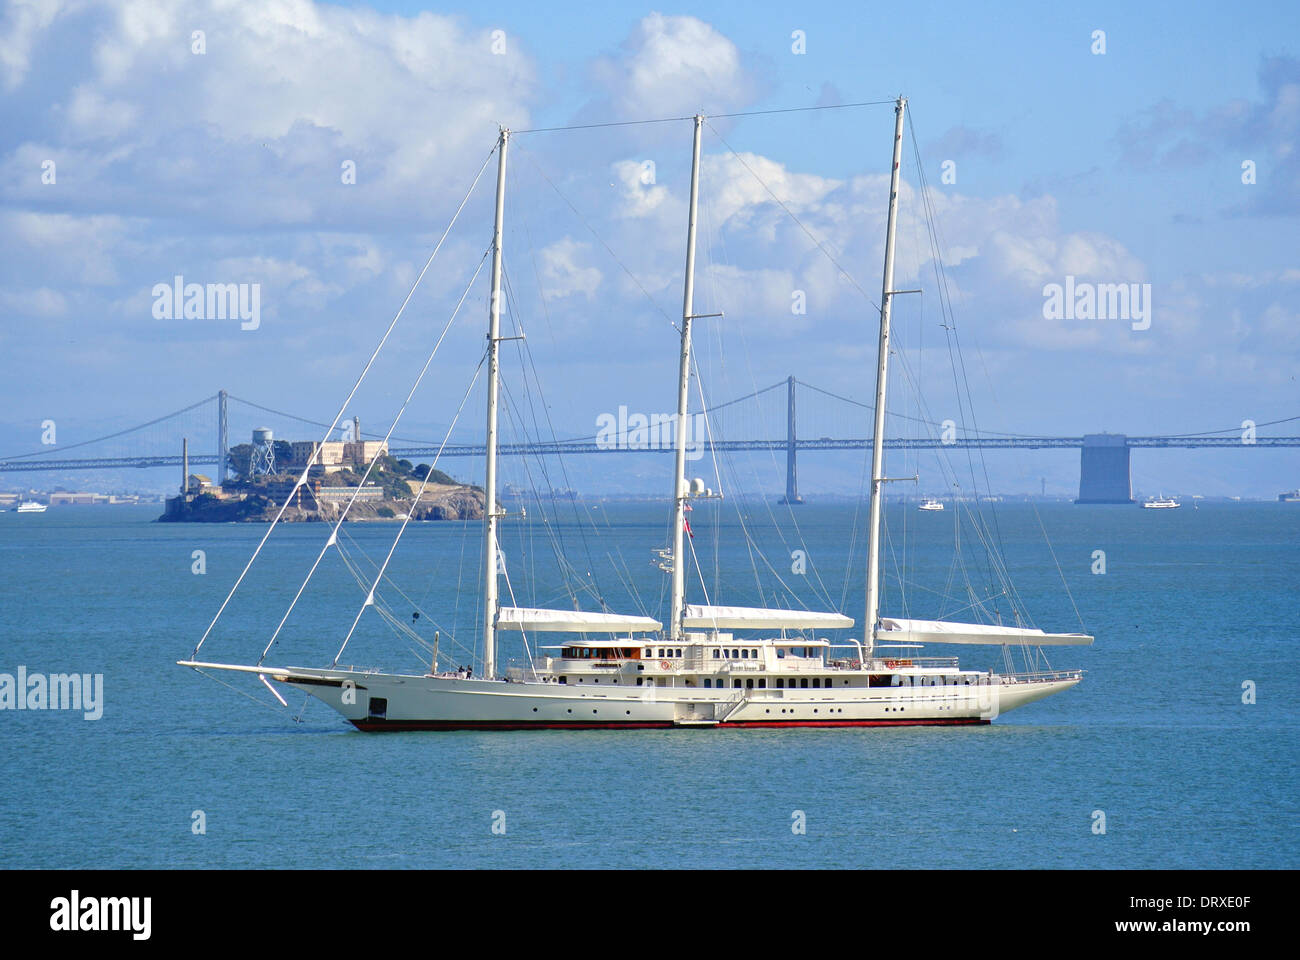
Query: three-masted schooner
[712, 666]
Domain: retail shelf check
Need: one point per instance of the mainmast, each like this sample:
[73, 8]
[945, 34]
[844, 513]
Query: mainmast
[490, 515]
[882, 370]
[681, 490]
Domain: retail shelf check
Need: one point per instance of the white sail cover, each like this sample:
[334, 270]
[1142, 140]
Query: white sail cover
[571, 621]
[738, 618]
[942, 631]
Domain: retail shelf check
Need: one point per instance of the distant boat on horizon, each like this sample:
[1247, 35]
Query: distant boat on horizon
[1161, 503]
[929, 503]
[31, 506]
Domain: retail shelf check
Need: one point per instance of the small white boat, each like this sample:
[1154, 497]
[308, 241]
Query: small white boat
[31, 506]
[929, 503]
[1161, 503]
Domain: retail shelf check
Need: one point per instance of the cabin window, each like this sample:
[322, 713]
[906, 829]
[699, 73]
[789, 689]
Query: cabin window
[749, 683]
[649, 652]
[762, 683]
[817, 681]
[803, 682]
[378, 708]
[744, 654]
[735, 683]
[780, 682]
[564, 679]
[753, 654]
[716, 654]
[708, 683]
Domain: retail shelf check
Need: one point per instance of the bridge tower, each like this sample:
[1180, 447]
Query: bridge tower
[223, 436]
[1104, 475]
[791, 466]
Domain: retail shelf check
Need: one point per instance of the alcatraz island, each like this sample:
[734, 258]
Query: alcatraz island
[265, 472]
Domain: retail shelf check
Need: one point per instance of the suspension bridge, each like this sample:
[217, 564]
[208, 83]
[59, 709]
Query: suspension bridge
[1104, 465]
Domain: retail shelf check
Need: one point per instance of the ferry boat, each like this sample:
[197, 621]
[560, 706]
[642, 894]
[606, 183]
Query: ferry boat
[929, 503]
[710, 665]
[1160, 503]
[31, 506]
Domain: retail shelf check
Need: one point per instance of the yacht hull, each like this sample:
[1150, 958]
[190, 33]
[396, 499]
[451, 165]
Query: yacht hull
[375, 702]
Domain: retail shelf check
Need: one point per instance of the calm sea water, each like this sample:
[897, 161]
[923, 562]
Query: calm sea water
[1193, 603]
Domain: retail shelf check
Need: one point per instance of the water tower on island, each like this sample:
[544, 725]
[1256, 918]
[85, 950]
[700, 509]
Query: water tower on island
[262, 462]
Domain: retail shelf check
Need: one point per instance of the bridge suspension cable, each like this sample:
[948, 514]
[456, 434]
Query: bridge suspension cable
[120, 433]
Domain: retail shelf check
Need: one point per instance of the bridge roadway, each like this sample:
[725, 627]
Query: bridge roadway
[588, 446]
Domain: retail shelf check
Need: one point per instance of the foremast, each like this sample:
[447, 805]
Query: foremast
[681, 490]
[882, 370]
[491, 596]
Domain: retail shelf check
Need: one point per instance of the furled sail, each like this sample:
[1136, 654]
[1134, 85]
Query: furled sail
[739, 618]
[572, 621]
[943, 631]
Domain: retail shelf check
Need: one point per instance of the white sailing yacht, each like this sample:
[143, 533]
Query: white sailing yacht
[712, 665]
[929, 504]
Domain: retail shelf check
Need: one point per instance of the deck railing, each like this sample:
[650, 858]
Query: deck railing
[1041, 677]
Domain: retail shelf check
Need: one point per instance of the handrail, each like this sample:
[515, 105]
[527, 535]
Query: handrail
[732, 705]
[1040, 676]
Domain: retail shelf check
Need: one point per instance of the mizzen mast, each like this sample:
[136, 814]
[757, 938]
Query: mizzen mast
[882, 370]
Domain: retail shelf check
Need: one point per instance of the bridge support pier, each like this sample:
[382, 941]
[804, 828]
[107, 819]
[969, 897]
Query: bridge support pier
[1104, 475]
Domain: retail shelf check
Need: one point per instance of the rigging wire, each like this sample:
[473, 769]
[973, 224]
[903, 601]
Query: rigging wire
[819, 244]
[592, 230]
[401, 530]
[333, 537]
[343, 407]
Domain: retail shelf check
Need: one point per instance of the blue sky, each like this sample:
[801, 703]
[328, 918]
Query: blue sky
[224, 166]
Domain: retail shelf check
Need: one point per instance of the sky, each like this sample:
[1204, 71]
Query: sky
[317, 152]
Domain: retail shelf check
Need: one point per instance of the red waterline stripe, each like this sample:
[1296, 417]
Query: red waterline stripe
[379, 726]
[955, 722]
[398, 726]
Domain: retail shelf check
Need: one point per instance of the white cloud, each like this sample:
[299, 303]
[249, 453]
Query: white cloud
[24, 21]
[563, 272]
[674, 66]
